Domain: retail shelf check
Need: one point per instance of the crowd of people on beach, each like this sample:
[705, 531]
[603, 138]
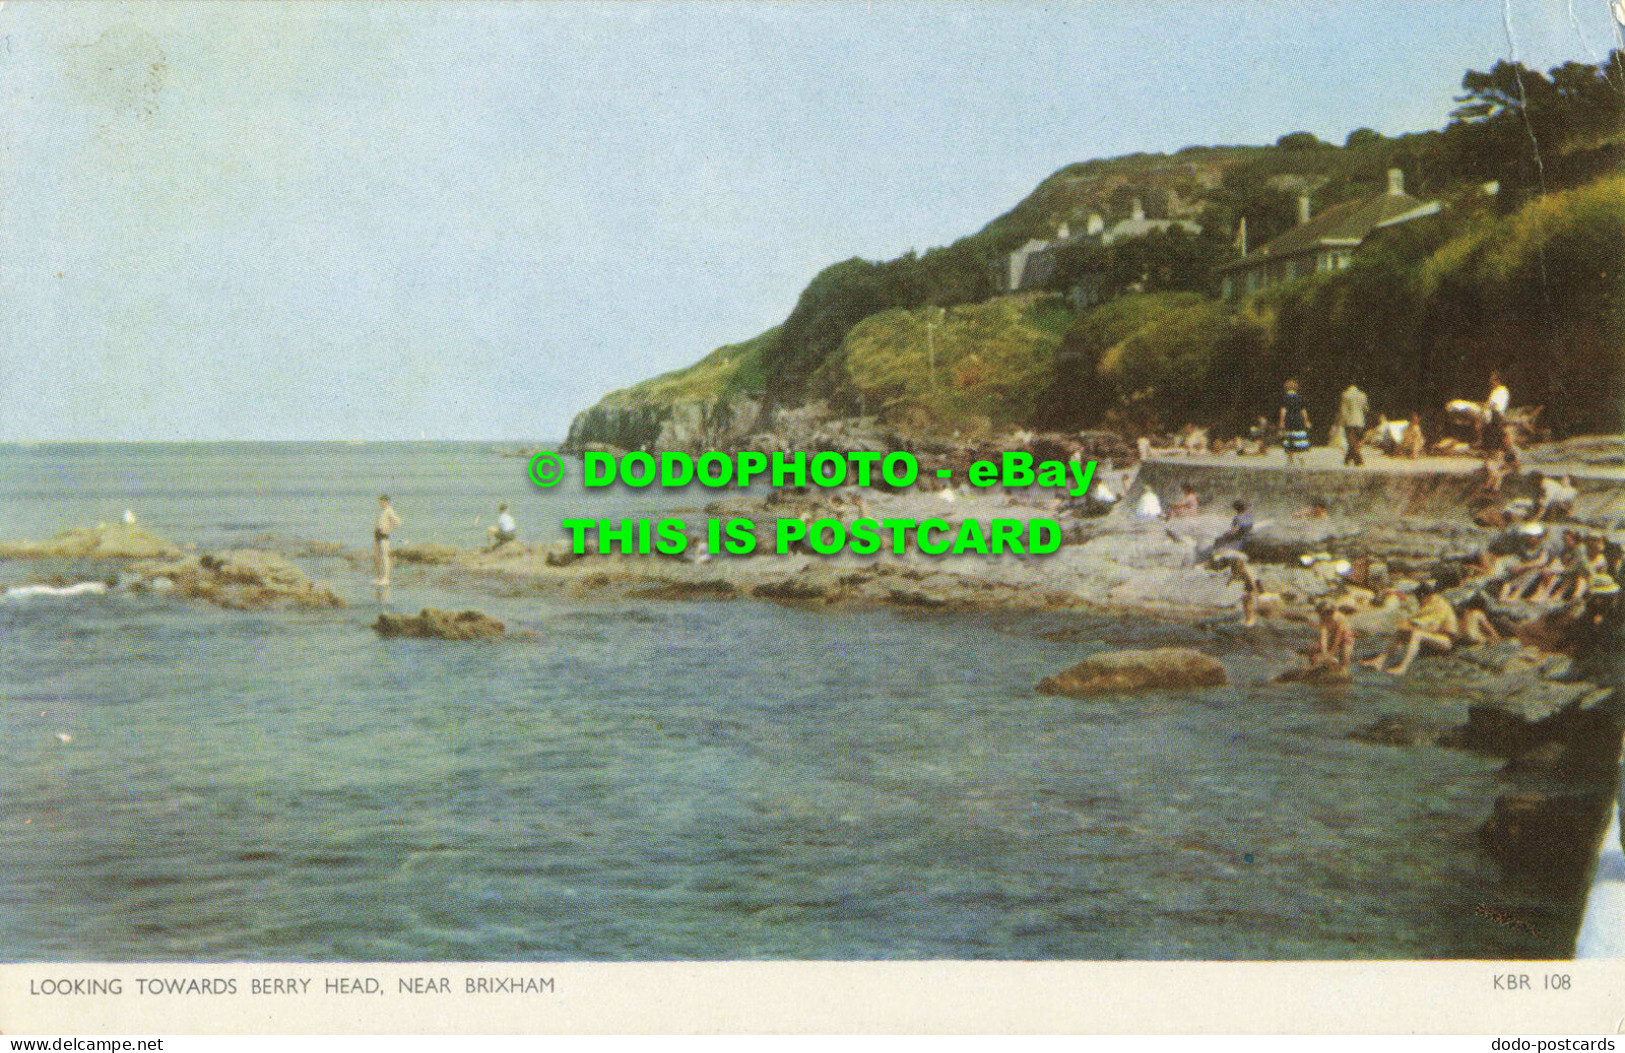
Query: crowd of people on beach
[1537, 567]
[1527, 573]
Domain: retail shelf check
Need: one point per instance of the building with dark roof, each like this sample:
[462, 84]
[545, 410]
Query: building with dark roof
[1035, 263]
[1323, 243]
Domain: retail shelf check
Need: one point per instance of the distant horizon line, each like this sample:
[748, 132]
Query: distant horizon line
[204, 442]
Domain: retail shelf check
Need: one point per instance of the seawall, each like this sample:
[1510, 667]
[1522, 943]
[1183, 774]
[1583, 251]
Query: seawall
[1434, 488]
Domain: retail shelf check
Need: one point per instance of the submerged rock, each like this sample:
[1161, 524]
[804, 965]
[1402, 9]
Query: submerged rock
[120, 541]
[433, 624]
[1391, 729]
[239, 579]
[1552, 837]
[1162, 667]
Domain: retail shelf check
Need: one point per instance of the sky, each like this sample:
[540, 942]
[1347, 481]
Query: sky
[470, 221]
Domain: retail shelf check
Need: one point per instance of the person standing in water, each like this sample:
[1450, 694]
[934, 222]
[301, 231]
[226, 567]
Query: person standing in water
[385, 524]
[1294, 424]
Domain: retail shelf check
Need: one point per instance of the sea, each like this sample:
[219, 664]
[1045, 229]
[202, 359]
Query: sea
[667, 780]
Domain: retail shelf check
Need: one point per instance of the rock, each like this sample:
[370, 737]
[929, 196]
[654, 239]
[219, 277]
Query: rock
[1556, 630]
[119, 541]
[1504, 657]
[1545, 759]
[1325, 674]
[560, 554]
[238, 579]
[433, 624]
[1394, 730]
[789, 589]
[915, 598]
[1547, 836]
[710, 589]
[1492, 730]
[1159, 668]
[431, 553]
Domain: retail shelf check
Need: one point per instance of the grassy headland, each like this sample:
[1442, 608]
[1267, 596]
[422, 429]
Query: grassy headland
[1523, 270]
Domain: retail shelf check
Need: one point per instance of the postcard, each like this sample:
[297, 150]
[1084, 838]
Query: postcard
[786, 516]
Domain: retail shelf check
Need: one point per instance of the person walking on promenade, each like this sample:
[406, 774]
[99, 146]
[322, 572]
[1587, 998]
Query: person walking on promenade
[1293, 423]
[1351, 417]
[381, 529]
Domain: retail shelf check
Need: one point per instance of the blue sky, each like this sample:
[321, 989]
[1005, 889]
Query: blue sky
[375, 221]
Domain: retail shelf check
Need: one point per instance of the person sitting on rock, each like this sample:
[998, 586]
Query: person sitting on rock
[1566, 571]
[505, 530]
[1476, 626]
[1258, 437]
[1413, 443]
[1241, 528]
[1602, 588]
[1435, 625]
[1336, 643]
[1515, 572]
[1187, 505]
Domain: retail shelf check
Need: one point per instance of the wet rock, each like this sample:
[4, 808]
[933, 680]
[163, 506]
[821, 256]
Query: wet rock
[915, 598]
[1551, 837]
[433, 624]
[1490, 729]
[1504, 657]
[1159, 668]
[238, 579]
[711, 589]
[432, 553]
[560, 554]
[1546, 759]
[1392, 729]
[119, 541]
[790, 589]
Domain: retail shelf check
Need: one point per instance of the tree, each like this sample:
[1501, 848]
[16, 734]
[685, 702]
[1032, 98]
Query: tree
[1360, 138]
[1535, 133]
[1299, 141]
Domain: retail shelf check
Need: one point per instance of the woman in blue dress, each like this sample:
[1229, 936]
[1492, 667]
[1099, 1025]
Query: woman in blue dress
[1294, 423]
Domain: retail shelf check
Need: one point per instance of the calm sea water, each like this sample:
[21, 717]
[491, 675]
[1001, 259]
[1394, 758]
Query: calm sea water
[666, 780]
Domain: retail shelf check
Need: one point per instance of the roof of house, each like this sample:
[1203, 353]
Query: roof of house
[1139, 228]
[1341, 226]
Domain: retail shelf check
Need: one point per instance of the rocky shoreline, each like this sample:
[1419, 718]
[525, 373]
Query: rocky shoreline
[1544, 702]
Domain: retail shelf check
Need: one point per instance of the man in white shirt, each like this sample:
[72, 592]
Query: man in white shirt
[1351, 416]
[1500, 398]
[505, 530]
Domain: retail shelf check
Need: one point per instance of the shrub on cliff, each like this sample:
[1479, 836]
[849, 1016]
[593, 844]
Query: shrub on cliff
[953, 365]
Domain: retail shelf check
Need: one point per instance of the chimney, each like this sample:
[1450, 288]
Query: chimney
[1396, 181]
[1303, 209]
[1139, 211]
